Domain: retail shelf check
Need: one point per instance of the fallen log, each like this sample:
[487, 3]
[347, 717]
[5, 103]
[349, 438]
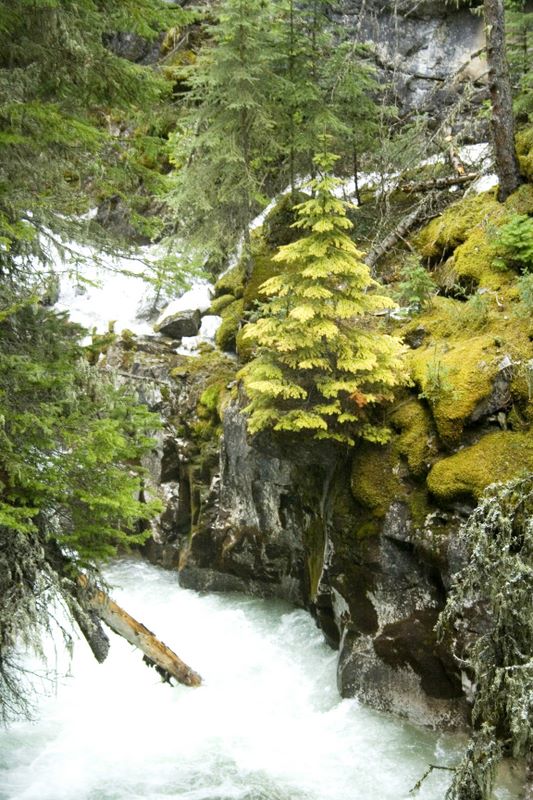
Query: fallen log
[156, 653]
[412, 187]
[398, 233]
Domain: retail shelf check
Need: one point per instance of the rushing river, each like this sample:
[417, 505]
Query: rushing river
[266, 725]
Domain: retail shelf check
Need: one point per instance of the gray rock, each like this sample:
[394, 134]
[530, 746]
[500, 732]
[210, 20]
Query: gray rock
[180, 324]
[424, 47]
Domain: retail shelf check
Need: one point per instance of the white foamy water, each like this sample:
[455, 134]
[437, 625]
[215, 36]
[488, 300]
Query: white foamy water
[267, 724]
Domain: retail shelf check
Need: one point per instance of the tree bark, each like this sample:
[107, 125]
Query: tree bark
[156, 653]
[528, 788]
[502, 120]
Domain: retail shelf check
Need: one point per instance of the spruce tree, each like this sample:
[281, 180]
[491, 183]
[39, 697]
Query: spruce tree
[305, 42]
[224, 142]
[67, 103]
[353, 92]
[321, 365]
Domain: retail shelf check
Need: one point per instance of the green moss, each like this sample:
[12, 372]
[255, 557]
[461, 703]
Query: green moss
[262, 268]
[231, 320]
[367, 529]
[232, 282]
[374, 477]
[415, 441]
[220, 303]
[472, 262]
[498, 456]
[445, 233]
[521, 201]
[277, 228]
[524, 148]
[244, 347]
[455, 378]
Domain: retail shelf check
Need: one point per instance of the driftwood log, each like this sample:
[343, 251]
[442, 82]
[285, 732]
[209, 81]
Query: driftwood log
[156, 654]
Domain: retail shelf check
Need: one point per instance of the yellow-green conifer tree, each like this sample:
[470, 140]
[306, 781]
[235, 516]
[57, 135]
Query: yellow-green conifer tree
[321, 365]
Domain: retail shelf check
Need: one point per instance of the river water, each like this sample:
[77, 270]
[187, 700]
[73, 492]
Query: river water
[267, 724]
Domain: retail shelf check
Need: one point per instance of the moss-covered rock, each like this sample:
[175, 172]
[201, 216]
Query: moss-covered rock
[231, 320]
[524, 148]
[445, 233]
[455, 379]
[262, 268]
[220, 303]
[416, 438]
[375, 481]
[471, 264]
[231, 282]
[498, 456]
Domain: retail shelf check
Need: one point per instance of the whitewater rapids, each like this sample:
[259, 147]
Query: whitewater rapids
[267, 724]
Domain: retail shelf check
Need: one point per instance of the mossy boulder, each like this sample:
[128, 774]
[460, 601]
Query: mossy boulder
[472, 263]
[220, 303]
[453, 227]
[456, 378]
[375, 480]
[498, 456]
[231, 282]
[262, 268]
[225, 337]
[416, 437]
[243, 346]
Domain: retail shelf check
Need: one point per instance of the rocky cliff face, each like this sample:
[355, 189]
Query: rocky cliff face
[427, 49]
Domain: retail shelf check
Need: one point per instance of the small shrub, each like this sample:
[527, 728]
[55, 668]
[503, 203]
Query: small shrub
[437, 384]
[417, 286]
[514, 244]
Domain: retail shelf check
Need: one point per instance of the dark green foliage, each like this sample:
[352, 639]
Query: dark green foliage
[67, 104]
[489, 618]
[514, 244]
[70, 442]
[268, 83]
[353, 92]
[224, 142]
[416, 287]
[519, 37]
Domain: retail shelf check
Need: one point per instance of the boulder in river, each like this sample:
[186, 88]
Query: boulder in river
[179, 324]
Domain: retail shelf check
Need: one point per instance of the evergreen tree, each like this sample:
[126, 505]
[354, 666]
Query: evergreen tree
[502, 119]
[71, 485]
[353, 89]
[70, 442]
[321, 366]
[66, 101]
[224, 141]
[305, 42]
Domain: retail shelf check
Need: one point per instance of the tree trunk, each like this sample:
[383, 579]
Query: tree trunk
[502, 120]
[528, 788]
[156, 654]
